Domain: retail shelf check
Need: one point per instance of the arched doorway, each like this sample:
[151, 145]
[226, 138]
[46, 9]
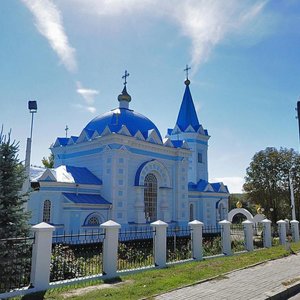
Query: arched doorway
[241, 211]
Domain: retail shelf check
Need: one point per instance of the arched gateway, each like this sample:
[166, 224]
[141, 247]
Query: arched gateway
[242, 211]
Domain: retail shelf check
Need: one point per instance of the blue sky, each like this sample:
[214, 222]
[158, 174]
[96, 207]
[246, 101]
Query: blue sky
[70, 57]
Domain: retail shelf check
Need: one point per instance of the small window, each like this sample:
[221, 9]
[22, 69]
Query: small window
[200, 157]
[47, 211]
[93, 221]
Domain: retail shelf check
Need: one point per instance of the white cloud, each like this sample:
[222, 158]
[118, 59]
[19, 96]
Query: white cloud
[88, 96]
[205, 22]
[208, 22]
[90, 109]
[234, 184]
[49, 23]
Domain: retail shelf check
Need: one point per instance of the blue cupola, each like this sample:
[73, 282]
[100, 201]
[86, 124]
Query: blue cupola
[187, 114]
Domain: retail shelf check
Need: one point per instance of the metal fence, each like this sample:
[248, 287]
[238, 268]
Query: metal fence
[179, 244]
[258, 236]
[237, 237]
[211, 241]
[15, 263]
[275, 235]
[135, 248]
[76, 255]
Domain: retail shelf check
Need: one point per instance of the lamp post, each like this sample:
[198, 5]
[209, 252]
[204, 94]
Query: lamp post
[32, 106]
[292, 195]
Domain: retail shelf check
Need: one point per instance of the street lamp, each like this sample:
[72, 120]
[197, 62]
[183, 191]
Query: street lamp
[32, 106]
[292, 195]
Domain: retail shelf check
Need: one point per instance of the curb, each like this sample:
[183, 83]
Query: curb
[286, 293]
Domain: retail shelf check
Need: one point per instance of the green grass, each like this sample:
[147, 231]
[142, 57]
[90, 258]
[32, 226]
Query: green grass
[149, 283]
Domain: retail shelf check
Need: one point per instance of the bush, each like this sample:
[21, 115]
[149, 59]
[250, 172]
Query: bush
[64, 264]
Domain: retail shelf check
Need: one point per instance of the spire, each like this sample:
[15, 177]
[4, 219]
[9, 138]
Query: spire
[187, 114]
[124, 98]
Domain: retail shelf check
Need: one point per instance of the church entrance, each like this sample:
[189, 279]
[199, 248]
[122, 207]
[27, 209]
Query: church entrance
[150, 197]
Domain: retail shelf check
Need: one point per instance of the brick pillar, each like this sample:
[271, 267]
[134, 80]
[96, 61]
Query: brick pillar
[160, 243]
[267, 235]
[295, 230]
[197, 248]
[226, 239]
[41, 256]
[282, 231]
[248, 230]
[110, 248]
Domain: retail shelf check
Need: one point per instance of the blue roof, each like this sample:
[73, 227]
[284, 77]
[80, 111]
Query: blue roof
[133, 121]
[86, 198]
[187, 114]
[202, 184]
[177, 143]
[63, 141]
[83, 175]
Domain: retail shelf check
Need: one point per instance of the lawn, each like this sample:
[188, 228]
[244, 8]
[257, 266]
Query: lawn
[148, 283]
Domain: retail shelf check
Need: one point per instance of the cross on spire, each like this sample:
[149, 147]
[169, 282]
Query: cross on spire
[66, 129]
[125, 77]
[186, 70]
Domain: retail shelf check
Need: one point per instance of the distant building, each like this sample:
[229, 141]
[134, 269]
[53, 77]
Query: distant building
[120, 168]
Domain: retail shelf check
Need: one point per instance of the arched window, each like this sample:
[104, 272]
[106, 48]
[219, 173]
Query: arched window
[47, 211]
[191, 212]
[150, 197]
[93, 221]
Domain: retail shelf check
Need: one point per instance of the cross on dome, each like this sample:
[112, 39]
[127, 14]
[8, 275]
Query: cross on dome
[125, 77]
[186, 70]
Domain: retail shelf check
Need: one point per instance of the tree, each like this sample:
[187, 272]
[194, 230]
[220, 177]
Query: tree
[14, 255]
[48, 162]
[13, 218]
[267, 181]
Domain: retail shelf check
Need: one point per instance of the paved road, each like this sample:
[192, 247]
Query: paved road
[259, 282]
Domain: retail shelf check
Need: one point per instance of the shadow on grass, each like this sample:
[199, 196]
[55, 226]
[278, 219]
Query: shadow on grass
[113, 280]
[35, 296]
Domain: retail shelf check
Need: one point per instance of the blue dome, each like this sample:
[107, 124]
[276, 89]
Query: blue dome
[114, 119]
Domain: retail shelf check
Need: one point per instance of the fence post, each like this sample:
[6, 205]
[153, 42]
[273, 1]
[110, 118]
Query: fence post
[267, 235]
[160, 243]
[248, 230]
[226, 239]
[41, 256]
[295, 230]
[282, 231]
[196, 233]
[110, 248]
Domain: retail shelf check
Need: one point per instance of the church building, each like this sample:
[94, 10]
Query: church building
[120, 168]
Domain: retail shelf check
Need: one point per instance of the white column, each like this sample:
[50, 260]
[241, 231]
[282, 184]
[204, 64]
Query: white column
[226, 239]
[248, 231]
[164, 205]
[196, 232]
[160, 243]
[41, 256]
[295, 230]
[267, 235]
[282, 231]
[110, 248]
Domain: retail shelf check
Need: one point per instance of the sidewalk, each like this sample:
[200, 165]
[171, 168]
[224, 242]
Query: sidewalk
[270, 280]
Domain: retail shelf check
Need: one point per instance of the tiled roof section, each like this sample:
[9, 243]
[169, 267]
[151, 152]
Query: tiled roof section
[204, 186]
[83, 175]
[86, 198]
